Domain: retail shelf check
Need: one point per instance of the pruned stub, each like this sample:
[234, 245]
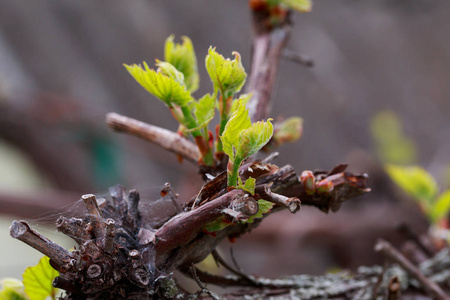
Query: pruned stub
[110, 261]
[123, 255]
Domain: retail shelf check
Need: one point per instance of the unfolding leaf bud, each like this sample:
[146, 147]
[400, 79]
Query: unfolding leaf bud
[288, 131]
[324, 187]
[309, 182]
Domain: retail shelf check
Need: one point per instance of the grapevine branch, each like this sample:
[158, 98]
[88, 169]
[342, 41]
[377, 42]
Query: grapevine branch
[122, 255]
[390, 252]
[164, 138]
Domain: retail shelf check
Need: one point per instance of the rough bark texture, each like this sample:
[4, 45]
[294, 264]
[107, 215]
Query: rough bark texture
[119, 256]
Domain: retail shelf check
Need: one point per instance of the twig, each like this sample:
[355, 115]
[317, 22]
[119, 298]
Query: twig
[292, 203]
[233, 259]
[164, 138]
[193, 271]
[219, 259]
[394, 289]
[267, 49]
[405, 229]
[430, 287]
[378, 283]
[74, 228]
[95, 215]
[64, 284]
[168, 191]
[21, 230]
[195, 248]
[213, 295]
[134, 216]
[110, 234]
[270, 157]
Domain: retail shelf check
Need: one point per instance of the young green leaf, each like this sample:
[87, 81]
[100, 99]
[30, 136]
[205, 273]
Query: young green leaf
[38, 280]
[217, 225]
[166, 88]
[414, 180]
[299, 5]
[243, 99]
[240, 139]
[264, 208]
[249, 185]
[204, 110]
[441, 208]
[254, 138]
[169, 70]
[228, 76]
[182, 57]
[12, 289]
[239, 121]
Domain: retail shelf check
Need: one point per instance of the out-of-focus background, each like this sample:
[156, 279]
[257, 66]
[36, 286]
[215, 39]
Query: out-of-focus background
[379, 92]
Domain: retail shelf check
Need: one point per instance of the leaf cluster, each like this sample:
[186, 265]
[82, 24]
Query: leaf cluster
[176, 78]
[420, 185]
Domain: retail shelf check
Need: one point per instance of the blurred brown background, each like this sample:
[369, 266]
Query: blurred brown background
[61, 72]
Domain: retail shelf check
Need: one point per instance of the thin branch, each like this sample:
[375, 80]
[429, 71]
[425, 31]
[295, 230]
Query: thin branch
[110, 234]
[22, 231]
[406, 230]
[95, 215]
[65, 284]
[394, 289]
[133, 214]
[168, 191]
[164, 138]
[430, 287]
[195, 247]
[268, 45]
[220, 260]
[74, 228]
[235, 263]
[193, 271]
[292, 203]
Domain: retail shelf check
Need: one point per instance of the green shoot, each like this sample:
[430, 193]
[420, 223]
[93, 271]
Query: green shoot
[241, 139]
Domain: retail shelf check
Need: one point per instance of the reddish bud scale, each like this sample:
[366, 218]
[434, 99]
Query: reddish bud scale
[278, 12]
[210, 139]
[228, 104]
[308, 180]
[217, 131]
[232, 239]
[229, 167]
[258, 5]
[220, 105]
[202, 146]
[324, 187]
